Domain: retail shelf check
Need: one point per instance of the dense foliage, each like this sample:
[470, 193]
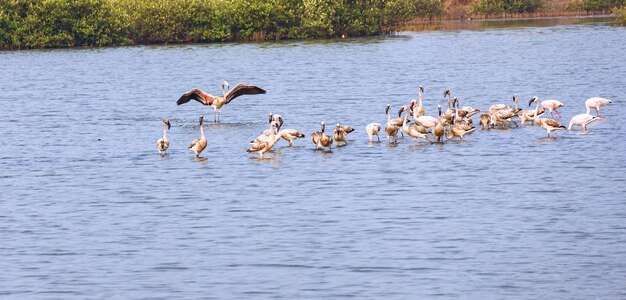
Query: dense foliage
[67, 23]
[595, 5]
[488, 7]
[620, 15]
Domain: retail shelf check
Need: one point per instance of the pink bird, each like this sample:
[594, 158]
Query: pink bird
[596, 103]
[582, 120]
[550, 105]
[427, 121]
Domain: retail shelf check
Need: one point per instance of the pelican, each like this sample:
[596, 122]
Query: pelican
[391, 128]
[549, 125]
[163, 143]
[198, 145]
[582, 120]
[217, 102]
[596, 103]
[413, 130]
[320, 139]
[263, 146]
[551, 105]
[439, 130]
[372, 130]
[340, 135]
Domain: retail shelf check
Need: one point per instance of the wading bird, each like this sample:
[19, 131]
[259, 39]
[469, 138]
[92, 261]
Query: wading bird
[263, 145]
[552, 106]
[372, 130]
[596, 103]
[320, 139]
[163, 143]
[550, 125]
[198, 145]
[582, 120]
[217, 102]
[340, 135]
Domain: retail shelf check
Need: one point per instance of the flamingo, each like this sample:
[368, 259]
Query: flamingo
[265, 145]
[198, 145]
[582, 120]
[418, 110]
[391, 129]
[163, 143]
[372, 130]
[217, 102]
[551, 105]
[290, 135]
[413, 130]
[448, 113]
[320, 139]
[439, 130]
[596, 103]
[339, 135]
[459, 129]
[549, 125]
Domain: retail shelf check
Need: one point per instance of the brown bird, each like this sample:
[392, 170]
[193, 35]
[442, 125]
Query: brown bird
[198, 145]
[217, 102]
[439, 130]
[340, 135]
[320, 139]
[163, 143]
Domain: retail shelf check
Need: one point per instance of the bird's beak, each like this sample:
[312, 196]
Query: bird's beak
[169, 125]
[421, 89]
[201, 119]
[401, 110]
[531, 101]
[387, 109]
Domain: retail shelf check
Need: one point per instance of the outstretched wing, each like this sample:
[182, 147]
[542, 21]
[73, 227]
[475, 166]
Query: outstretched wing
[198, 95]
[242, 89]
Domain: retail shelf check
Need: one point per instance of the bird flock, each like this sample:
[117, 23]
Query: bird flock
[454, 122]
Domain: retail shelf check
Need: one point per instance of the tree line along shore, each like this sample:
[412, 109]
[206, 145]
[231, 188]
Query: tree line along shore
[26, 24]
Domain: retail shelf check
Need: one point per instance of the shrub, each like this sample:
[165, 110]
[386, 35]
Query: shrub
[488, 7]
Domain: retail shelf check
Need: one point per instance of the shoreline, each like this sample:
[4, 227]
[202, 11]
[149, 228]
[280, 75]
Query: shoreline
[447, 22]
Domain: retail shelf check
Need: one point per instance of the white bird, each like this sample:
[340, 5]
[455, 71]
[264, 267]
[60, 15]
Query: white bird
[551, 105]
[413, 130]
[596, 103]
[418, 110]
[198, 145]
[582, 120]
[372, 130]
[163, 143]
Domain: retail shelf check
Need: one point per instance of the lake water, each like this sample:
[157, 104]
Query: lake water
[88, 209]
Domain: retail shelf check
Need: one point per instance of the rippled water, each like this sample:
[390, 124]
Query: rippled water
[88, 208]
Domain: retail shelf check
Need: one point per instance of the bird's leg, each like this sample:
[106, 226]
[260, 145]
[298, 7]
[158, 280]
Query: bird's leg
[598, 112]
[214, 115]
[551, 115]
[378, 136]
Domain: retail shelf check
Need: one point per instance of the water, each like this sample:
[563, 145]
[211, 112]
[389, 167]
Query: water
[89, 210]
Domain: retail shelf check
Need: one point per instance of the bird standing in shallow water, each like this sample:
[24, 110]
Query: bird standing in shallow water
[582, 120]
[320, 139]
[372, 130]
[550, 125]
[198, 145]
[217, 102]
[163, 143]
[596, 103]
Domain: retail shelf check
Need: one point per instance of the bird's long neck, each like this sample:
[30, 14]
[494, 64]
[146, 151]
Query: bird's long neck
[536, 117]
[164, 132]
[448, 101]
[588, 108]
[223, 91]
[201, 130]
[406, 117]
[388, 117]
[516, 105]
[420, 103]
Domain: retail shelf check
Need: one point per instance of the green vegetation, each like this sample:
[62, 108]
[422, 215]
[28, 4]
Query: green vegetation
[620, 15]
[490, 7]
[70, 23]
[595, 5]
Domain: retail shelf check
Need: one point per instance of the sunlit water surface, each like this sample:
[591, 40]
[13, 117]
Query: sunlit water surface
[88, 209]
